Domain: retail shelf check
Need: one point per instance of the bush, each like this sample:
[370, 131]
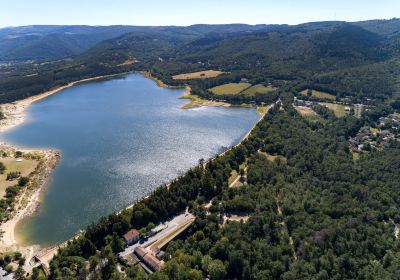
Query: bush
[23, 181]
[13, 175]
[2, 168]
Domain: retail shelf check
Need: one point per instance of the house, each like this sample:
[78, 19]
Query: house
[132, 236]
[154, 263]
[140, 252]
[148, 258]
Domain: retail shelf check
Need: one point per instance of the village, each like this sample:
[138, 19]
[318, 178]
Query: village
[377, 138]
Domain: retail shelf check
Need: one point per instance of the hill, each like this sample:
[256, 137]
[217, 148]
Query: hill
[311, 55]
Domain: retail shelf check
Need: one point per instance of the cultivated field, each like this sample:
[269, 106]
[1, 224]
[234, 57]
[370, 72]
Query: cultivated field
[319, 94]
[232, 88]
[198, 75]
[258, 89]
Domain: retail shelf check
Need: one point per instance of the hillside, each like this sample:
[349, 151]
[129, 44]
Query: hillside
[304, 56]
[41, 42]
[50, 42]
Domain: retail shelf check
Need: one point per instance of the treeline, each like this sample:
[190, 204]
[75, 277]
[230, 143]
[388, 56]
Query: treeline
[17, 87]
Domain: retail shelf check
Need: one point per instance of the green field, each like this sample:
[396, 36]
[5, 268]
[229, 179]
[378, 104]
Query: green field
[258, 89]
[339, 110]
[319, 94]
[198, 75]
[25, 167]
[232, 88]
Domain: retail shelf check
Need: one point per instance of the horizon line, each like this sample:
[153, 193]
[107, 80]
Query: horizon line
[194, 24]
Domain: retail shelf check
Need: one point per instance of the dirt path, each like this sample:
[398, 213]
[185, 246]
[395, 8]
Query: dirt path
[235, 181]
[285, 230]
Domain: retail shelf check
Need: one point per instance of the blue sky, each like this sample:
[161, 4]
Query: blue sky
[187, 12]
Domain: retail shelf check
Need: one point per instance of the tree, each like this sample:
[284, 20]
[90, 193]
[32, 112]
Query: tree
[19, 273]
[93, 262]
[205, 262]
[35, 273]
[217, 270]
[13, 175]
[150, 226]
[2, 168]
[23, 181]
[87, 247]
[117, 243]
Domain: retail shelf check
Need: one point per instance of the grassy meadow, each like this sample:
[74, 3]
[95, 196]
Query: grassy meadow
[319, 94]
[198, 75]
[339, 110]
[258, 89]
[231, 88]
[25, 167]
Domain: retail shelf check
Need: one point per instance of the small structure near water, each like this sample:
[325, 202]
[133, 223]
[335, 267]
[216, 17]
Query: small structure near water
[132, 236]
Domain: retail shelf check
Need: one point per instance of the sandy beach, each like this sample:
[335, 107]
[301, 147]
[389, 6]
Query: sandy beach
[27, 202]
[195, 101]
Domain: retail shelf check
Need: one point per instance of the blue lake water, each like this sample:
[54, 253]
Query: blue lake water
[119, 139]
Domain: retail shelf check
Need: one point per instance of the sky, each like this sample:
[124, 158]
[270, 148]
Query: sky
[187, 12]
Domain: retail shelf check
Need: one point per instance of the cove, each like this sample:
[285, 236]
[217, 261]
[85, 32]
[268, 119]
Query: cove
[119, 139]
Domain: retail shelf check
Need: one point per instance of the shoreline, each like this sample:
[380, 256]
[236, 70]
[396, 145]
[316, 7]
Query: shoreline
[194, 100]
[15, 112]
[27, 201]
[262, 115]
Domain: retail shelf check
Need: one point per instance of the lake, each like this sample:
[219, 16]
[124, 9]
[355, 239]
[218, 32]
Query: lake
[119, 139]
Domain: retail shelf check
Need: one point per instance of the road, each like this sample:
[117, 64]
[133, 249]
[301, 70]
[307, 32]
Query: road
[171, 227]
